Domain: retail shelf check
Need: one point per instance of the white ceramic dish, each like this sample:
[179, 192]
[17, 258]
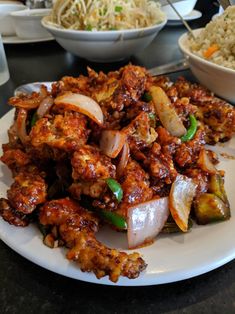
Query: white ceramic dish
[184, 8]
[190, 17]
[103, 46]
[28, 23]
[221, 10]
[171, 258]
[215, 16]
[217, 78]
[17, 40]
[6, 25]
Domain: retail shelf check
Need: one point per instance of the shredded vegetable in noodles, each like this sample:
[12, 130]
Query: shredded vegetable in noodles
[97, 15]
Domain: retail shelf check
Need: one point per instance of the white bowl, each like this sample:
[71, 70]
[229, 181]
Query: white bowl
[10, 2]
[6, 25]
[184, 7]
[218, 79]
[28, 23]
[103, 46]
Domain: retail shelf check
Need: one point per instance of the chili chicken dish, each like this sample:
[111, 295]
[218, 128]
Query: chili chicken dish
[124, 149]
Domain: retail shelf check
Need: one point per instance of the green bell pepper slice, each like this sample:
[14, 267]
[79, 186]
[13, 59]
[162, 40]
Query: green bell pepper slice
[113, 218]
[116, 188]
[34, 119]
[191, 130]
[147, 97]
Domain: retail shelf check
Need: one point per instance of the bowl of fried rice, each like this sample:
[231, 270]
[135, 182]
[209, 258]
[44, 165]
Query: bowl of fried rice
[211, 54]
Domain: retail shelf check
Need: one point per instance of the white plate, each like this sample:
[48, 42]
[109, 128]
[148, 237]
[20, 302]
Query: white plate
[190, 17]
[17, 40]
[170, 258]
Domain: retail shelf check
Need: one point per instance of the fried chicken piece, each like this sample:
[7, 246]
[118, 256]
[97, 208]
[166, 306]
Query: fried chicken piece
[66, 132]
[58, 212]
[77, 228]
[91, 255]
[184, 108]
[15, 159]
[94, 85]
[92, 189]
[217, 114]
[102, 86]
[27, 191]
[162, 81]
[12, 216]
[195, 91]
[135, 185]
[187, 153]
[139, 132]
[168, 142]
[117, 92]
[161, 165]
[140, 106]
[134, 80]
[89, 164]
[73, 84]
[132, 84]
[219, 118]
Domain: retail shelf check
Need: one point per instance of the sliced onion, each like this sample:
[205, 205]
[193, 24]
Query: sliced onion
[166, 112]
[146, 220]
[111, 142]
[182, 192]
[125, 154]
[82, 104]
[205, 163]
[45, 106]
[21, 125]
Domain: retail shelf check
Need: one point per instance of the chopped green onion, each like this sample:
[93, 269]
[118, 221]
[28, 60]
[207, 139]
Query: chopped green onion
[118, 9]
[103, 12]
[89, 27]
[116, 188]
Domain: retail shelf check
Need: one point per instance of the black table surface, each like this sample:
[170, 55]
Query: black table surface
[28, 288]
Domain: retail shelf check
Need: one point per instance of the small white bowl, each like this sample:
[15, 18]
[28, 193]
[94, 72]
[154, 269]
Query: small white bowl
[184, 7]
[217, 78]
[28, 23]
[103, 46]
[6, 26]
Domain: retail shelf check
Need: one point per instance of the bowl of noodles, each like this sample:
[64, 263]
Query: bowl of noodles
[104, 30]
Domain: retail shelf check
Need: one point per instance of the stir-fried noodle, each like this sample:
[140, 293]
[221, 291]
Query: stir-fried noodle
[95, 15]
